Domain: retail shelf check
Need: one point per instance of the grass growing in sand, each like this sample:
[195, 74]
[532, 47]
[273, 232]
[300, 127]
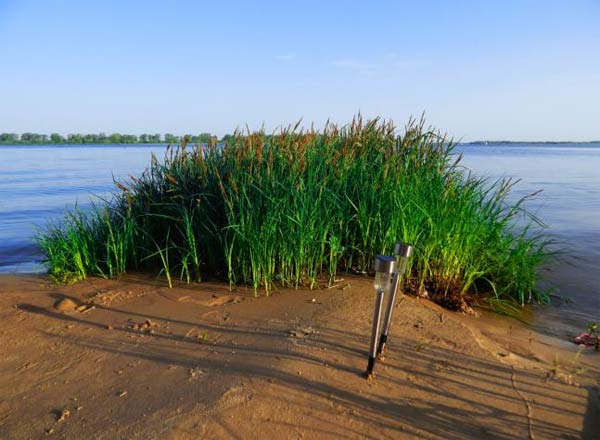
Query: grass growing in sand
[297, 207]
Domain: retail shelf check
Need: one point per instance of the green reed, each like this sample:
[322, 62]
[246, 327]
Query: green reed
[297, 207]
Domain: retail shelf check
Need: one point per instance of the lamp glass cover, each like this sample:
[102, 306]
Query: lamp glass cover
[382, 281]
[401, 263]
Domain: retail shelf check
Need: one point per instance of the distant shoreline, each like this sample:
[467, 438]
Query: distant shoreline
[493, 143]
[104, 139]
[157, 144]
[139, 144]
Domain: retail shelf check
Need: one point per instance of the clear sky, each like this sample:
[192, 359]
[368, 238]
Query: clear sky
[519, 70]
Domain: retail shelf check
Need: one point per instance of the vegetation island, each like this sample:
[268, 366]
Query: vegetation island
[296, 207]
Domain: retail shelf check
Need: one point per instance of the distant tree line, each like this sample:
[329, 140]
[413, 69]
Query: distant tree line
[102, 138]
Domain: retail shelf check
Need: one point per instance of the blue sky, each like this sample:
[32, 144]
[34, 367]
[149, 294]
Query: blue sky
[525, 70]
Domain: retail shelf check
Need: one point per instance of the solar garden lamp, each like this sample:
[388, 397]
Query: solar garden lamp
[385, 267]
[402, 252]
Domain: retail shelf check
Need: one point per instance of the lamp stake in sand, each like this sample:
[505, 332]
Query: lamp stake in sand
[402, 252]
[385, 267]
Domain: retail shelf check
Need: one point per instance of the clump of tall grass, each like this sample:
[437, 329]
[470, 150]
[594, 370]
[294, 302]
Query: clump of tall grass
[298, 207]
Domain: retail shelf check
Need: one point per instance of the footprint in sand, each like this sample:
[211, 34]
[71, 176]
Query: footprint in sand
[213, 302]
[223, 300]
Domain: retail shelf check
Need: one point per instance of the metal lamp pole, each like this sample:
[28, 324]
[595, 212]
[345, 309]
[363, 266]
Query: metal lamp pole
[385, 267]
[402, 252]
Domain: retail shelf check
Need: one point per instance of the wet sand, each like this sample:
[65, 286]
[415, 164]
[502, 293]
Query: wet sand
[134, 359]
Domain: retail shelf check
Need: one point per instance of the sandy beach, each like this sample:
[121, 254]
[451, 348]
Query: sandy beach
[134, 359]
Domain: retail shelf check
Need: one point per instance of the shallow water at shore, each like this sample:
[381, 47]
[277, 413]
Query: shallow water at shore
[39, 182]
[569, 204]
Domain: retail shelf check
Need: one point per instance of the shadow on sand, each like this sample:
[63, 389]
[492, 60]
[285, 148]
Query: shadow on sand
[430, 392]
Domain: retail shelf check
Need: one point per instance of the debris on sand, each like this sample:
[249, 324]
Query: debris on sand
[339, 285]
[586, 338]
[145, 327]
[195, 373]
[122, 393]
[303, 332]
[86, 308]
[63, 415]
[201, 337]
[204, 338]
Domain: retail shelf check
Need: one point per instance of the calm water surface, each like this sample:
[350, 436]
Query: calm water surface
[38, 183]
[569, 177]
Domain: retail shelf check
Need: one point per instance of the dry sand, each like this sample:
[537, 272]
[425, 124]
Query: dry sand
[134, 359]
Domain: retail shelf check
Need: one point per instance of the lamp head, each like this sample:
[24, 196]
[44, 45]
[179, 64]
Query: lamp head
[385, 267]
[385, 264]
[403, 249]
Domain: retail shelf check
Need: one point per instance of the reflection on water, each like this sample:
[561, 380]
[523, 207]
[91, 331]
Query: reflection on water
[38, 183]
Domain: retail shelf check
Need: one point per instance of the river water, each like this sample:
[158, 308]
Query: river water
[37, 184]
[569, 203]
